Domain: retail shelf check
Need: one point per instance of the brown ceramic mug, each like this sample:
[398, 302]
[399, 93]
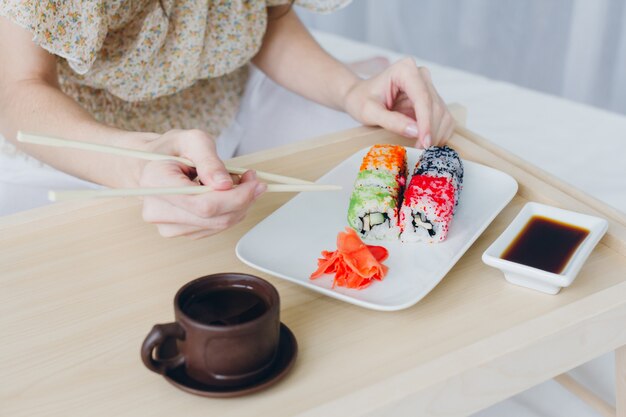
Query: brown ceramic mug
[226, 330]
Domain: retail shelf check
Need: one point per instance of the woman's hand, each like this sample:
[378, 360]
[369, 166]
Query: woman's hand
[402, 99]
[195, 216]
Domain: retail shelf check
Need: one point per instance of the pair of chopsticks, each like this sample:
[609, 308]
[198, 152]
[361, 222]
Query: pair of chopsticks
[286, 184]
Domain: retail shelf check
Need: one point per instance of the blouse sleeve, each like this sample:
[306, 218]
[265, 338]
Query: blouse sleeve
[318, 6]
[74, 30]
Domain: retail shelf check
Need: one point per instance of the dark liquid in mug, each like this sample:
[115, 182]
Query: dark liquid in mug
[225, 307]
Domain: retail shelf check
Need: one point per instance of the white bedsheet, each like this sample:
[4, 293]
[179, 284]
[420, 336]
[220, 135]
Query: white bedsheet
[582, 145]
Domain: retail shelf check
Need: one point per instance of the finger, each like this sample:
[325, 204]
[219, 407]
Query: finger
[404, 105]
[215, 203]
[199, 235]
[449, 131]
[203, 233]
[160, 211]
[424, 111]
[206, 205]
[414, 84]
[250, 176]
[435, 125]
[169, 174]
[219, 202]
[442, 117]
[178, 230]
[210, 226]
[166, 174]
[391, 120]
[445, 128]
[198, 146]
[216, 225]
[439, 110]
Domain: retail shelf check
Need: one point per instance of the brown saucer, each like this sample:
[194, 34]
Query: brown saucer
[285, 358]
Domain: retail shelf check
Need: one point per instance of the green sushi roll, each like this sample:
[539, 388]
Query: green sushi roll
[378, 188]
[382, 179]
[373, 212]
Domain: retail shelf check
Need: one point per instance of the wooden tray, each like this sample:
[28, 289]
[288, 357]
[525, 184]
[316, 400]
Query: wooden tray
[82, 283]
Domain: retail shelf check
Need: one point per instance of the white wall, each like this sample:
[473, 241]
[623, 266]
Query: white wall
[571, 48]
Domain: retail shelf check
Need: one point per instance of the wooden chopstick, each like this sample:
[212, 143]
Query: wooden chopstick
[114, 150]
[134, 192]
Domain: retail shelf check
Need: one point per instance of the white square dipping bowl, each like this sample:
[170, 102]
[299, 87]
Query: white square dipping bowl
[538, 279]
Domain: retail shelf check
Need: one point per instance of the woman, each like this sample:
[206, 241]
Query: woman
[167, 76]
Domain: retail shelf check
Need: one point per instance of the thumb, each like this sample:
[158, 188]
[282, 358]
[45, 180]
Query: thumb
[395, 122]
[200, 149]
[212, 172]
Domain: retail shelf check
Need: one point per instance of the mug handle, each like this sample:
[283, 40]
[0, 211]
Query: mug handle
[158, 334]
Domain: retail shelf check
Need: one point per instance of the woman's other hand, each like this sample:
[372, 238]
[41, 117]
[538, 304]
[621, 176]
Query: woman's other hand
[201, 215]
[402, 99]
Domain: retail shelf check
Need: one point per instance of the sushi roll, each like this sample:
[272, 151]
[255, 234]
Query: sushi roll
[375, 200]
[442, 162]
[390, 158]
[379, 178]
[373, 213]
[431, 196]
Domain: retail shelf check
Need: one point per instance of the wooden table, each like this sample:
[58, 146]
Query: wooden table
[82, 283]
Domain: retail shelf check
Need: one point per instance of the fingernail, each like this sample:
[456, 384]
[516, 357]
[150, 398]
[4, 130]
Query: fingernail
[411, 130]
[260, 188]
[253, 174]
[427, 141]
[222, 178]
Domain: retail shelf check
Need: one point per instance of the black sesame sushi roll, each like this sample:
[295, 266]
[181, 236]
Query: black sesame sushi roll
[431, 196]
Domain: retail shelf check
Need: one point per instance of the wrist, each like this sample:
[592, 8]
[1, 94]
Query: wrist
[345, 89]
[353, 101]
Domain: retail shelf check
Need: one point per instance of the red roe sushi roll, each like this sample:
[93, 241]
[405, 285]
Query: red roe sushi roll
[431, 196]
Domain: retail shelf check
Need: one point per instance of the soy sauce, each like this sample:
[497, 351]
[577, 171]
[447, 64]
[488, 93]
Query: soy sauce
[545, 244]
[225, 307]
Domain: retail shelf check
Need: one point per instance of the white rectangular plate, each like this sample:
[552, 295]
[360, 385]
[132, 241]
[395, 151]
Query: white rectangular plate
[288, 242]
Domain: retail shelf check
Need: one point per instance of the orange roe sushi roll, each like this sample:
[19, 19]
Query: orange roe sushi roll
[391, 158]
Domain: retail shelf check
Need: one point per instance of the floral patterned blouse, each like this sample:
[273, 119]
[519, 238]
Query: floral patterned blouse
[152, 65]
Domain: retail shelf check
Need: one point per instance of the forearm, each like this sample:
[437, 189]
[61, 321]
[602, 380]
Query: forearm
[37, 106]
[291, 57]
